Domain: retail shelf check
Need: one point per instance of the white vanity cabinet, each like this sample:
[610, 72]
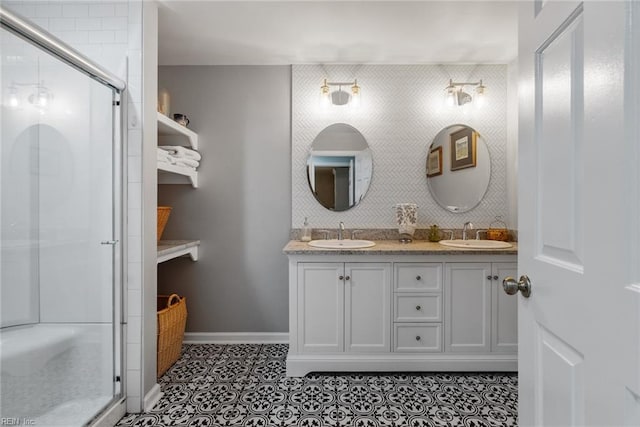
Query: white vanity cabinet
[343, 307]
[480, 317]
[434, 310]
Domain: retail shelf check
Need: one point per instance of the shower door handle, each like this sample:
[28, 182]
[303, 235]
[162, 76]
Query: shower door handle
[108, 242]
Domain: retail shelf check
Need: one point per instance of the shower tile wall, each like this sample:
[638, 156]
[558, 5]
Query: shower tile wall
[402, 111]
[110, 33]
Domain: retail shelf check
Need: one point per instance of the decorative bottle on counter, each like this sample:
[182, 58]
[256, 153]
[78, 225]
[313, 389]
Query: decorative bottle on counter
[306, 231]
[434, 233]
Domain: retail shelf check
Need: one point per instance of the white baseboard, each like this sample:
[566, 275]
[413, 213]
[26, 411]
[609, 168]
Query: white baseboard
[151, 398]
[111, 416]
[236, 338]
[300, 365]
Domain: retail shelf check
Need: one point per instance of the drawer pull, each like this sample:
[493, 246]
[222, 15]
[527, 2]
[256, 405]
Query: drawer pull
[418, 308]
[418, 338]
[418, 277]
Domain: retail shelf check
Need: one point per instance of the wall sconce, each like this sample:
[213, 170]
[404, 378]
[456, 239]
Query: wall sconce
[40, 98]
[340, 96]
[456, 95]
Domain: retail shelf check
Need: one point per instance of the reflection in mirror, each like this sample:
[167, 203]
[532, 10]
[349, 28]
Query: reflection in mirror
[339, 167]
[458, 168]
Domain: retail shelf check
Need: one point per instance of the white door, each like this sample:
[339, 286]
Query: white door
[367, 307]
[578, 213]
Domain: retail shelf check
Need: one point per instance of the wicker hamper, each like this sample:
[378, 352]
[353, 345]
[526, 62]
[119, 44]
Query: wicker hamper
[172, 319]
[163, 217]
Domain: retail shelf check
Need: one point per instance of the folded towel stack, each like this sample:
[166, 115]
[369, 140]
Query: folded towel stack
[179, 156]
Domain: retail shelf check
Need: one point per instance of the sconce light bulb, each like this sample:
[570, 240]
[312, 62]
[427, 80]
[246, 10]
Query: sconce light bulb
[480, 95]
[325, 94]
[355, 94]
[13, 96]
[450, 99]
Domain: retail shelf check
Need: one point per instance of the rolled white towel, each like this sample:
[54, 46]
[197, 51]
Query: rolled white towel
[187, 162]
[182, 152]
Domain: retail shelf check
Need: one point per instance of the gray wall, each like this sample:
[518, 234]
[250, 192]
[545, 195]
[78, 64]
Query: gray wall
[242, 209]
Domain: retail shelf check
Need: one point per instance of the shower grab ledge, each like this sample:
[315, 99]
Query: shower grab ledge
[170, 249]
[172, 133]
[172, 174]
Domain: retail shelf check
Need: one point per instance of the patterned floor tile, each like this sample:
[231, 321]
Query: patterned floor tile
[246, 385]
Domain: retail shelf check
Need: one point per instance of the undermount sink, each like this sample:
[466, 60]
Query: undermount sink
[476, 244]
[341, 244]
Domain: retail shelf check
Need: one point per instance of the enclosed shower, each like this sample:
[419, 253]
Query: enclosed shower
[60, 217]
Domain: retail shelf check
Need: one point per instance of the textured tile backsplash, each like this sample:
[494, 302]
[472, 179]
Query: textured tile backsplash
[402, 111]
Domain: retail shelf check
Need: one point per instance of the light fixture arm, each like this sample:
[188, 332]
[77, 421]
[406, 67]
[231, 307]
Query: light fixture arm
[340, 83]
[340, 97]
[460, 85]
[457, 95]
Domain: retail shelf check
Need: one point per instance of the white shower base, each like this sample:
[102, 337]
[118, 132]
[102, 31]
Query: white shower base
[55, 374]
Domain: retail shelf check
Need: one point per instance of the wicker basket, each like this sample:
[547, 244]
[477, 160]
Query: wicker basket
[172, 319]
[498, 230]
[163, 217]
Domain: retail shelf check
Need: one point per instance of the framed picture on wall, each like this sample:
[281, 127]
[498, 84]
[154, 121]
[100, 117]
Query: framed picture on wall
[463, 149]
[434, 162]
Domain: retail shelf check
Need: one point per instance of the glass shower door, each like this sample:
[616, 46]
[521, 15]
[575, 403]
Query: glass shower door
[60, 226]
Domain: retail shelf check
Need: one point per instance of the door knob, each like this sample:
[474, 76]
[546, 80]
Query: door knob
[511, 287]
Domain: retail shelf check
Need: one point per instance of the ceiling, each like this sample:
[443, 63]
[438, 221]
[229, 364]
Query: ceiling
[330, 32]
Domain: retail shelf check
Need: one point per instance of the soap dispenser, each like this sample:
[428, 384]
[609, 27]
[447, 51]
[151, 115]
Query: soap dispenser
[306, 231]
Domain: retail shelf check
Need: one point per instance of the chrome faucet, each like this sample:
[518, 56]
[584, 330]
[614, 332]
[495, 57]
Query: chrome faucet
[341, 230]
[466, 227]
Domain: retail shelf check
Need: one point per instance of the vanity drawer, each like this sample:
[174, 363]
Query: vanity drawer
[417, 338]
[417, 307]
[418, 277]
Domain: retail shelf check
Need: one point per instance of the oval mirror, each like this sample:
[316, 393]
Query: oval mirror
[458, 168]
[339, 167]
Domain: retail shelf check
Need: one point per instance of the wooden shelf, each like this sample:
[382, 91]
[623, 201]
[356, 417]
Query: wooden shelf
[171, 133]
[172, 174]
[170, 249]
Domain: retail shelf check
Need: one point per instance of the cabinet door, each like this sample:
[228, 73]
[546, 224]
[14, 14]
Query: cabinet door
[367, 307]
[320, 307]
[504, 311]
[467, 307]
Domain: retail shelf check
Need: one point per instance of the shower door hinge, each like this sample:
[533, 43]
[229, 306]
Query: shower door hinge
[116, 103]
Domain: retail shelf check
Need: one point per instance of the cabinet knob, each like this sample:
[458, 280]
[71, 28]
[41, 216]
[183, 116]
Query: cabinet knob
[418, 307]
[495, 277]
[488, 277]
[347, 278]
[418, 277]
[418, 338]
[341, 277]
